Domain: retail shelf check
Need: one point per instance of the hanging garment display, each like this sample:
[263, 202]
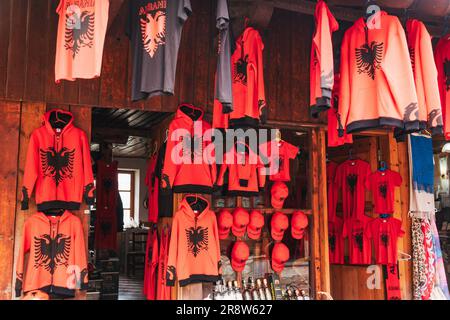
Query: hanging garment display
[425, 76]
[152, 183]
[334, 123]
[359, 246]
[322, 62]
[336, 240]
[151, 265]
[58, 165]
[186, 169]
[284, 153]
[106, 210]
[392, 281]
[194, 249]
[223, 92]
[57, 255]
[155, 28]
[442, 59]
[377, 83]
[163, 292]
[165, 197]
[332, 190]
[382, 185]
[81, 38]
[441, 286]
[351, 177]
[245, 172]
[385, 233]
[249, 100]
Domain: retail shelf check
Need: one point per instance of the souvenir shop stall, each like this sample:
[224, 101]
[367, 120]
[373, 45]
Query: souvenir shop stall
[295, 149]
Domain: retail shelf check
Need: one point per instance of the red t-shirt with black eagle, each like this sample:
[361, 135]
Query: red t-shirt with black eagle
[359, 249]
[382, 185]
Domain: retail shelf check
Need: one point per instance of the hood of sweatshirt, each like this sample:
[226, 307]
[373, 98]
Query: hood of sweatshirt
[58, 121]
[189, 113]
[41, 216]
[190, 213]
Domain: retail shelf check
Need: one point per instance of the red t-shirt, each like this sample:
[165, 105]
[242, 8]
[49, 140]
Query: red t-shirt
[359, 249]
[351, 176]
[332, 191]
[336, 241]
[286, 151]
[385, 233]
[152, 183]
[382, 185]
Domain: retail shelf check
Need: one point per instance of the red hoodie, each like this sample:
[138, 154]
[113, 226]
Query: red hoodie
[57, 255]
[442, 59]
[186, 169]
[194, 249]
[377, 83]
[58, 165]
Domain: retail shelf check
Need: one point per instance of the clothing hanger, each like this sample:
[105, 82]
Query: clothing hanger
[155, 148]
[58, 120]
[383, 166]
[350, 154]
[369, 11]
[167, 136]
[404, 256]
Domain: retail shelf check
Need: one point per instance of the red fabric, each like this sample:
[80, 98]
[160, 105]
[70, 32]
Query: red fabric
[350, 179]
[151, 264]
[152, 183]
[249, 98]
[359, 246]
[286, 151]
[336, 240]
[106, 206]
[332, 190]
[442, 59]
[163, 292]
[62, 235]
[382, 185]
[385, 233]
[333, 119]
[392, 280]
[60, 187]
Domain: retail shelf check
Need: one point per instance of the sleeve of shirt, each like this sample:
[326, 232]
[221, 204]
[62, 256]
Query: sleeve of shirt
[344, 88]
[23, 249]
[80, 256]
[396, 179]
[292, 151]
[400, 231]
[89, 188]
[170, 168]
[184, 10]
[172, 260]
[368, 231]
[345, 229]
[60, 6]
[31, 171]
[367, 183]
[217, 244]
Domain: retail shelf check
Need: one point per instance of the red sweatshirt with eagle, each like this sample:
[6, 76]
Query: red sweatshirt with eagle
[58, 165]
[57, 261]
[442, 59]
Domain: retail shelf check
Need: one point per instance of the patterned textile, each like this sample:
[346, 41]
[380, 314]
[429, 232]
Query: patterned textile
[441, 277]
[430, 270]
[418, 258]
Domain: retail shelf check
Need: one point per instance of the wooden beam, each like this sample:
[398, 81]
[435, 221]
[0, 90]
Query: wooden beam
[114, 8]
[105, 131]
[261, 14]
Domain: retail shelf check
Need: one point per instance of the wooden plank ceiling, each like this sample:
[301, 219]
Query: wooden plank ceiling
[127, 130]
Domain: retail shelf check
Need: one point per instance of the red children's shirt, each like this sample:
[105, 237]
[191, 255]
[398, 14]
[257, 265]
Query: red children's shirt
[336, 240]
[151, 264]
[350, 178]
[359, 249]
[286, 151]
[382, 185]
[385, 233]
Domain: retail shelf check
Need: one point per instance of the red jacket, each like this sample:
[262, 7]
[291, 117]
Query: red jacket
[249, 99]
[377, 84]
[442, 58]
[185, 167]
[322, 64]
[57, 255]
[194, 249]
[58, 165]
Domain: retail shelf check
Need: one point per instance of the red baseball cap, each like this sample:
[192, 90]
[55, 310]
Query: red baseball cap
[239, 255]
[255, 225]
[279, 193]
[279, 224]
[224, 221]
[299, 222]
[240, 222]
[280, 254]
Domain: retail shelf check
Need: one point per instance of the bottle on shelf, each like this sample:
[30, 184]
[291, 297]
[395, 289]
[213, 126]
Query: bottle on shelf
[304, 295]
[253, 291]
[298, 295]
[290, 295]
[261, 293]
[230, 291]
[246, 291]
[284, 295]
[267, 291]
[219, 291]
[237, 291]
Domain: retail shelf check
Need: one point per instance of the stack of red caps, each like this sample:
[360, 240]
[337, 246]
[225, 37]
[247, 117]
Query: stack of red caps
[280, 254]
[278, 224]
[225, 222]
[239, 255]
[240, 222]
[255, 225]
[299, 223]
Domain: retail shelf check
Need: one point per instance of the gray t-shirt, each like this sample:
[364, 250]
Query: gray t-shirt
[223, 74]
[154, 28]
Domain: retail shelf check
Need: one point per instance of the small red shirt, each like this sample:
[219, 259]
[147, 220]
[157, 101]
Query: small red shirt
[385, 233]
[350, 178]
[359, 249]
[286, 151]
[336, 241]
[382, 185]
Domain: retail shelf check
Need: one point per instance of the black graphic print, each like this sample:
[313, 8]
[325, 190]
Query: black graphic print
[19, 282]
[79, 31]
[240, 70]
[332, 242]
[359, 240]
[197, 239]
[368, 58]
[447, 73]
[57, 164]
[171, 275]
[51, 252]
[384, 237]
[412, 56]
[352, 179]
[280, 163]
[383, 190]
[165, 182]
[411, 112]
[435, 118]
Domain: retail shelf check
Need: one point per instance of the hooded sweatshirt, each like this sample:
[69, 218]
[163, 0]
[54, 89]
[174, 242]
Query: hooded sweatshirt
[194, 249]
[186, 166]
[57, 255]
[58, 165]
[442, 59]
[322, 65]
[377, 83]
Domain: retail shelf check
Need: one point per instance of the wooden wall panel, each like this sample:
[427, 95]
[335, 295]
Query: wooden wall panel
[9, 131]
[5, 25]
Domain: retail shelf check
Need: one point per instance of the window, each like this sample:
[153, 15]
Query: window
[126, 190]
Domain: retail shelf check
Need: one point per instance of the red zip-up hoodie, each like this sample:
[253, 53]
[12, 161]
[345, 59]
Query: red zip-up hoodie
[442, 59]
[186, 166]
[194, 249]
[57, 255]
[58, 165]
